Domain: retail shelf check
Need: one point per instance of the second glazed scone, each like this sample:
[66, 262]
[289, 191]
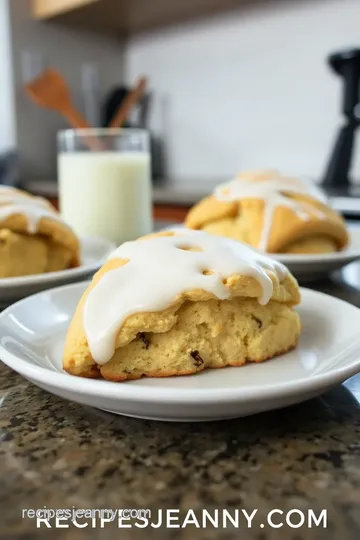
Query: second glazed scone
[33, 237]
[175, 304]
[273, 213]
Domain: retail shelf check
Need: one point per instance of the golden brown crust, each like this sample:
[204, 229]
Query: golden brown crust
[23, 255]
[312, 245]
[208, 210]
[120, 377]
[243, 220]
[221, 333]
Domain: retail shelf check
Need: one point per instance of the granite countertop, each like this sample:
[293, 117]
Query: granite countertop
[61, 454]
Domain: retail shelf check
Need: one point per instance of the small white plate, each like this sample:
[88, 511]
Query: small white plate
[93, 253]
[32, 338]
[312, 267]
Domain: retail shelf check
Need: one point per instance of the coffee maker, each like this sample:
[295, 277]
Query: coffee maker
[345, 196]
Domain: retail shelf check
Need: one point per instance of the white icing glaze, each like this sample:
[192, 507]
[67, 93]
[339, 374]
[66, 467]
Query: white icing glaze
[158, 271]
[34, 208]
[271, 190]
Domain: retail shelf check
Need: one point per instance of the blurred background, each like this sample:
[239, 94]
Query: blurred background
[232, 84]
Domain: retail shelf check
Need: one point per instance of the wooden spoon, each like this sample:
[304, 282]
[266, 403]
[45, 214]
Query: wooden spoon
[50, 90]
[129, 102]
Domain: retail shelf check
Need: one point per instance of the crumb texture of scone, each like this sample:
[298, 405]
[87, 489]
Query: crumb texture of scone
[204, 312]
[273, 213]
[33, 237]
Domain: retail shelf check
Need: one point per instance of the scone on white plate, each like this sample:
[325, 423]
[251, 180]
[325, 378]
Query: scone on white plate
[273, 213]
[178, 303]
[33, 237]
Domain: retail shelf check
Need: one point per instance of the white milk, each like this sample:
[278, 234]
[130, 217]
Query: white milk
[106, 193]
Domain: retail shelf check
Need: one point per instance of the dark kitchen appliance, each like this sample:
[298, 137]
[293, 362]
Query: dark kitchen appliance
[9, 169]
[336, 181]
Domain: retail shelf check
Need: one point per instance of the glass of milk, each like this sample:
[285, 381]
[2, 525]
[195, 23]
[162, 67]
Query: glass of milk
[104, 182]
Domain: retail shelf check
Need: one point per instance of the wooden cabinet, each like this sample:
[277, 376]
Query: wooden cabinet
[126, 16]
[43, 9]
[169, 212]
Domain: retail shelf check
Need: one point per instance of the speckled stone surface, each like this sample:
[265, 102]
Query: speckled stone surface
[59, 454]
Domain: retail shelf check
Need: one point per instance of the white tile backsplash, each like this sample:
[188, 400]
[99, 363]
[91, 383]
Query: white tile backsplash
[248, 89]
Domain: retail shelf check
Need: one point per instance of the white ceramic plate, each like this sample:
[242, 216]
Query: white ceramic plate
[93, 253]
[312, 267]
[32, 338]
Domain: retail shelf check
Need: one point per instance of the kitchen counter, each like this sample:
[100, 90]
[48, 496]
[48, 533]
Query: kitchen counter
[187, 193]
[61, 454]
[182, 193]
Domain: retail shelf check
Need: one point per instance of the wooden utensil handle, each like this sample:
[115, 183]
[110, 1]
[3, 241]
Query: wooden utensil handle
[129, 102]
[76, 119]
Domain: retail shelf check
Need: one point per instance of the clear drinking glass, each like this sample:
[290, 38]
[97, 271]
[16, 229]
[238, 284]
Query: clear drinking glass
[104, 182]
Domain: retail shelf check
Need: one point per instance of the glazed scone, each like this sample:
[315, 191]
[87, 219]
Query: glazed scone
[273, 213]
[178, 303]
[33, 237]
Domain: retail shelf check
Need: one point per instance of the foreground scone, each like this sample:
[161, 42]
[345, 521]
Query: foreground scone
[33, 237]
[273, 213]
[177, 303]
